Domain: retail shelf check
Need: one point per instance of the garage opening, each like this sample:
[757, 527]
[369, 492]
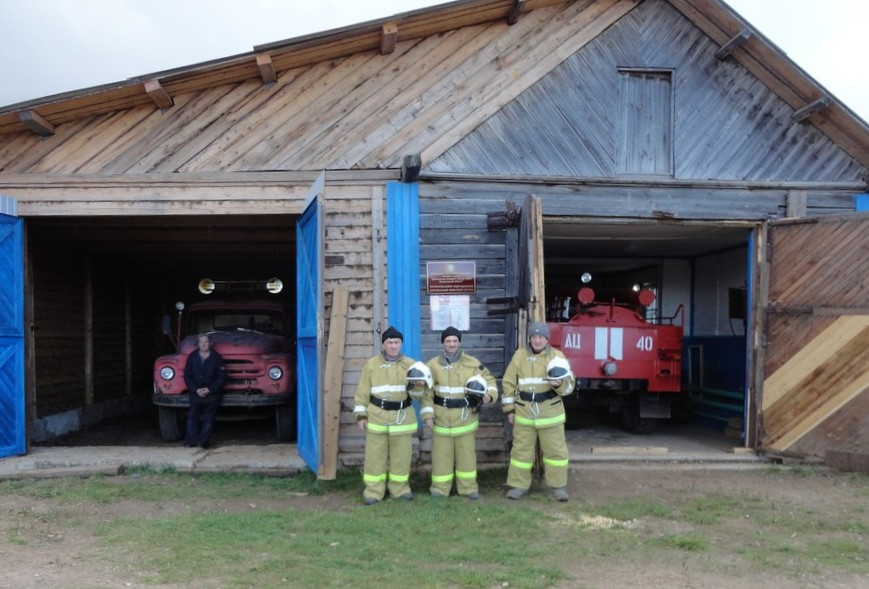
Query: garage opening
[615, 292]
[102, 295]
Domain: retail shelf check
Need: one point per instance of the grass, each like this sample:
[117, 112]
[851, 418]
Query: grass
[247, 531]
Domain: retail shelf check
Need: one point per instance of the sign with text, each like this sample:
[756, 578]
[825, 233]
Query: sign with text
[451, 278]
[450, 310]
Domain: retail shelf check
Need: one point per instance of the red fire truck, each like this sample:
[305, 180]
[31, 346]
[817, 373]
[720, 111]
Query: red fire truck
[251, 335]
[624, 363]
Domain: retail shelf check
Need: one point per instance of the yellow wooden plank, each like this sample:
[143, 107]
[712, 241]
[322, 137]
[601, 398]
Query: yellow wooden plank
[818, 351]
[811, 420]
[633, 450]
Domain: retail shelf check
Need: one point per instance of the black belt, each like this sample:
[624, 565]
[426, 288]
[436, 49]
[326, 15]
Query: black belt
[390, 405]
[537, 397]
[455, 403]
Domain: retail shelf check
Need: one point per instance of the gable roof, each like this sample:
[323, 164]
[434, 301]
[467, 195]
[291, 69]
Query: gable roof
[809, 100]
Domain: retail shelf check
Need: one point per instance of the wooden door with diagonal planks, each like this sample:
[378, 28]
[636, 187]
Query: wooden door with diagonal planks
[815, 395]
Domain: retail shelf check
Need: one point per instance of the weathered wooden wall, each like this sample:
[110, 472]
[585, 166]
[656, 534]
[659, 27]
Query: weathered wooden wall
[94, 339]
[58, 331]
[817, 326]
[350, 250]
[364, 111]
[726, 125]
[453, 227]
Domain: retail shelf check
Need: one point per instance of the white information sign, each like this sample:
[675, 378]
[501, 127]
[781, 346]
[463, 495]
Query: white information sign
[447, 310]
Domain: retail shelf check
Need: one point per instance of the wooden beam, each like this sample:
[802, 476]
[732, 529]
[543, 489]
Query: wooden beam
[811, 108]
[158, 94]
[36, 123]
[332, 385]
[266, 68]
[515, 10]
[410, 167]
[388, 38]
[728, 48]
[796, 203]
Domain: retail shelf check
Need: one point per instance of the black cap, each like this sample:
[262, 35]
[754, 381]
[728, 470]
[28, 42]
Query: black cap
[391, 333]
[450, 331]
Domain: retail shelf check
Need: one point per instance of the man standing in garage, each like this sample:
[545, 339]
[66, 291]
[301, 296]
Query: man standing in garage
[532, 402]
[204, 374]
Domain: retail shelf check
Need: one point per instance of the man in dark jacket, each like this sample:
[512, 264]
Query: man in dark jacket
[204, 374]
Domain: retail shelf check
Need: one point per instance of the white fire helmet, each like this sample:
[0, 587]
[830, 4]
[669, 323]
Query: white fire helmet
[476, 386]
[419, 371]
[558, 368]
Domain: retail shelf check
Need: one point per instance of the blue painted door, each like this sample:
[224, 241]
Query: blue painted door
[309, 323]
[11, 337]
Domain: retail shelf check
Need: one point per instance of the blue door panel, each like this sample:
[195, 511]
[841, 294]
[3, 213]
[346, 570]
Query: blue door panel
[309, 296]
[11, 337]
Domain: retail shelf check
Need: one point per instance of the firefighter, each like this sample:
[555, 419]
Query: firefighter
[532, 403]
[384, 411]
[460, 385]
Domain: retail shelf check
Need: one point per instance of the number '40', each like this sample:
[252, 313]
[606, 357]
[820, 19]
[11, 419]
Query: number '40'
[644, 344]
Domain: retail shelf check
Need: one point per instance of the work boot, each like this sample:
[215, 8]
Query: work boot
[473, 495]
[406, 497]
[515, 493]
[560, 493]
[371, 501]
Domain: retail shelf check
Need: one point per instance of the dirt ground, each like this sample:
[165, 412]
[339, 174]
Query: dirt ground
[55, 553]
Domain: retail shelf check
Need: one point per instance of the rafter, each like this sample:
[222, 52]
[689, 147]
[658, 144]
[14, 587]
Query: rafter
[388, 38]
[737, 41]
[266, 68]
[515, 10]
[36, 123]
[811, 108]
[158, 94]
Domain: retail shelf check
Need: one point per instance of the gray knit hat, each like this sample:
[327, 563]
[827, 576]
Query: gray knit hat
[538, 328]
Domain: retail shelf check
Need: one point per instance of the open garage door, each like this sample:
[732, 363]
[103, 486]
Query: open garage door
[309, 322]
[815, 396]
[11, 337]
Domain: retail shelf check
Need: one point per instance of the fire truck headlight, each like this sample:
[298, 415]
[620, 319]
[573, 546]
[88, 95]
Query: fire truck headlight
[275, 373]
[609, 368]
[167, 373]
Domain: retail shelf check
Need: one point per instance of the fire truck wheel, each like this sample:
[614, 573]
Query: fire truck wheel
[285, 422]
[633, 423]
[171, 424]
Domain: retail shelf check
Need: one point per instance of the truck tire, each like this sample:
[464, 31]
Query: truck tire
[171, 425]
[285, 423]
[633, 423]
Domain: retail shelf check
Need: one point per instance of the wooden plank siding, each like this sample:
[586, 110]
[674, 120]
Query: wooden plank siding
[497, 112]
[453, 228]
[362, 111]
[816, 363]
[58, 331]
[727, 124]
[719, 201]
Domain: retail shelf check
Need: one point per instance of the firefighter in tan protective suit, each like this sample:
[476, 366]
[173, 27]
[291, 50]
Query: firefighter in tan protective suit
[532, 402]
[460, 385]
[384, 411]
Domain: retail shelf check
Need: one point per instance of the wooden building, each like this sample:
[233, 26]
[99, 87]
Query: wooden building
[663, 142]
